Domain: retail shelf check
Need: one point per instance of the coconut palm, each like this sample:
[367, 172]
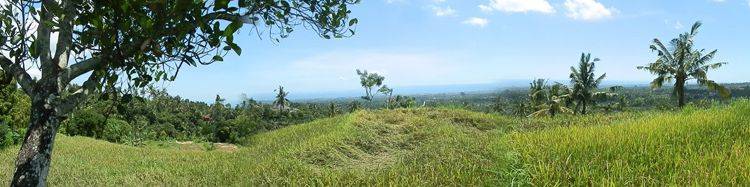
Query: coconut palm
[682, 63]
[281, 101]
[585, 82]
[537, 95]
[554, 101]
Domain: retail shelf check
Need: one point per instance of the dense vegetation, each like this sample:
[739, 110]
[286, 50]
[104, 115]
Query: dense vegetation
[154, 115]
[438, 146]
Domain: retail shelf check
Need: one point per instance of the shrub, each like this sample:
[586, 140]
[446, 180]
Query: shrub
[6, 135]
[85, 123]
[117, 131]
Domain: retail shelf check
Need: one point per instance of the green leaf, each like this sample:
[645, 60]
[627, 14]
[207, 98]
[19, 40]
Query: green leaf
[33, 49]
[232, 28]
[218, 58]
[236, 48]
[219, 4]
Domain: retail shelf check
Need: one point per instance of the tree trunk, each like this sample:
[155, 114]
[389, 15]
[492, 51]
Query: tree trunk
[680, 93]
[583, 107]
[32, 165]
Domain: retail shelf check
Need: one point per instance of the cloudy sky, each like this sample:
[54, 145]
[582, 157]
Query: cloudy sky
[442, 42]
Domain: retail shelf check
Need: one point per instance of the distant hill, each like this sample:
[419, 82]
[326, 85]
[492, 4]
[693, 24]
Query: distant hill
[423, 90]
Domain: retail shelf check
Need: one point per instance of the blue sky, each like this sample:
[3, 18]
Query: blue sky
[443, 42]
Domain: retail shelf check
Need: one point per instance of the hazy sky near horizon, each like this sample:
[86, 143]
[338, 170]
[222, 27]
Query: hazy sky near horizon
[441, 42]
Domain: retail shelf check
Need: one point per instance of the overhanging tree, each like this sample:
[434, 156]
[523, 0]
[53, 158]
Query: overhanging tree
[130, 41]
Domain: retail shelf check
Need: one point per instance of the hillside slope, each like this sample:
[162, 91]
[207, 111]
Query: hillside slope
[431, 147]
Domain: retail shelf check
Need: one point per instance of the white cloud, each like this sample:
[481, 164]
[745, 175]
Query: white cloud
[519, 6]
[475, 21]
[718, 1]
[587, 10]
[443, 11]
[394, 1]
[335, 70]
[748, 2]
[485, 8]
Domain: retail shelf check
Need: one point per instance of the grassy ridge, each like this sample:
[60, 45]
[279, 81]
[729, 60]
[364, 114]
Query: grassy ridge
[436, 147]
[406, 147]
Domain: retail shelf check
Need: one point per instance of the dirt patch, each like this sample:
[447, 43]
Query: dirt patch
[226, 147]
[207, 146]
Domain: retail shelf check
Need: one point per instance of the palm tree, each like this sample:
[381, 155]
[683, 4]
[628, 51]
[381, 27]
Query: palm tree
[554, 101]
[332, 109]
[537, 94]
[584, 82]
[281, 101]
[682, 63]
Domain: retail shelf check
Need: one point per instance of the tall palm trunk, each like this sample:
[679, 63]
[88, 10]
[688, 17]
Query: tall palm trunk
[680, 89]
[32, 165]
[583, 107]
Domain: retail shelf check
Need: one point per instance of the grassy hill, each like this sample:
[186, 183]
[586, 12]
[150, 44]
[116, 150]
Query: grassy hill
[437, 147]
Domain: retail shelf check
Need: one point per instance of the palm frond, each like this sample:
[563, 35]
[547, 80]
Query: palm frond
[696, 26]
[713, 86]
[662, 50]
[600, 79]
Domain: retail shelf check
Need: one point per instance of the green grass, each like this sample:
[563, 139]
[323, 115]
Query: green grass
[435, 147]
[697, 147]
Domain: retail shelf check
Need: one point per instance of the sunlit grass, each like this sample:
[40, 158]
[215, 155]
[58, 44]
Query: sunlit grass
[435, 147]
[697, 147]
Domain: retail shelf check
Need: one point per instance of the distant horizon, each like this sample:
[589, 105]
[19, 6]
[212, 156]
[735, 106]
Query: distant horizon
[411, 90]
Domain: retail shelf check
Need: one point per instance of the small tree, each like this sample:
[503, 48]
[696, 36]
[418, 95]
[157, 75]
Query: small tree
[388, 93]
[369, 81]
[332, 109]
[281, 102]
[354, 106]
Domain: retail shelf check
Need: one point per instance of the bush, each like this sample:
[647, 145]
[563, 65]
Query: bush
[6, 136]
[85, 123]
[117, 131]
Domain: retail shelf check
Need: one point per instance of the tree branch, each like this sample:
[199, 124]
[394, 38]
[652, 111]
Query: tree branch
[20, 74]
[43, 40]
[79, 69]
[69, 103]
[62, 50]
